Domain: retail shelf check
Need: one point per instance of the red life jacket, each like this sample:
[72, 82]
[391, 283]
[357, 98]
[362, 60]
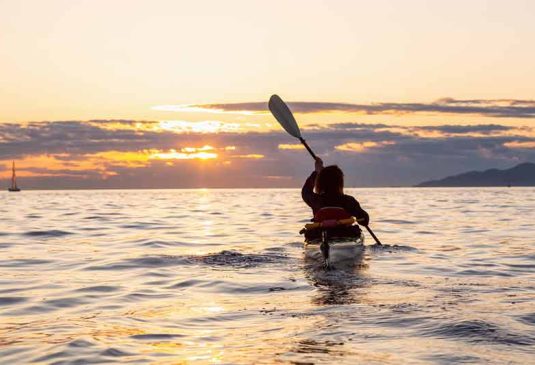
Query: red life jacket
[331, 214]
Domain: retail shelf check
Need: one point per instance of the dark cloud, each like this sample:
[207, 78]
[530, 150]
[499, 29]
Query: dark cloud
[374, 154]
[463, 129]
[500, 108]
[84, 137]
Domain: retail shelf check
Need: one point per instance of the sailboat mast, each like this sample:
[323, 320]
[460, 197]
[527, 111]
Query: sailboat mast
[13, 178]
[13, 186]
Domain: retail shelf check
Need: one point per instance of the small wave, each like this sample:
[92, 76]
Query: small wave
[186, 284]
[64, 302]
[528, 267]
[146, 295]
[68, 214]
[390, 248]
[11, 300]
[136, 226]
[227, 286]
[51, 356]
[446, 358]
[401, 321]
[480, 331]
[80, 343]
[142, 262]
[397, 221]
[90, 217]
[98, 289]
[473, 272]
[21, 263]
[528, 319]
[157, 243]
[49, 233]
[113, 352]
[235, 259]
[55, 305]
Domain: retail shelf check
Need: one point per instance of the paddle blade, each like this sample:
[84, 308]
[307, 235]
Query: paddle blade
[284, 116]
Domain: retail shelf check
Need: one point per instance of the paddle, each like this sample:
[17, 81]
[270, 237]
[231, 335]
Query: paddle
[284, 116]
[374, 236]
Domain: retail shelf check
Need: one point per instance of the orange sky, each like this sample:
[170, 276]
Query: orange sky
[99, 59]
[401, 67]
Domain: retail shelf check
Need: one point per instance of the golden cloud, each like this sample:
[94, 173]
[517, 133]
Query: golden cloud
[62, 164]
[520, 144]
[184, 155]
[253, 156]
[362, 146]
[291, 146]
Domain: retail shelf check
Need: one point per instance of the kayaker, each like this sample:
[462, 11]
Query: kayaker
[329, 185]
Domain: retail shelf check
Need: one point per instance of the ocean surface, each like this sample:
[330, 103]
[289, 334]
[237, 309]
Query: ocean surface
[219, 277]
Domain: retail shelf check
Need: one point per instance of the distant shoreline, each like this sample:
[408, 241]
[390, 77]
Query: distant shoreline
[520, 175]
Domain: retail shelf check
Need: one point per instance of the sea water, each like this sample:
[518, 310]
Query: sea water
[218, 277]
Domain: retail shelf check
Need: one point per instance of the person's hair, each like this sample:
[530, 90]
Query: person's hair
[330, 180]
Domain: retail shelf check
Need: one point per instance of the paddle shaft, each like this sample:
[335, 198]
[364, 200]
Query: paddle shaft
[308, 149]
[374, 236]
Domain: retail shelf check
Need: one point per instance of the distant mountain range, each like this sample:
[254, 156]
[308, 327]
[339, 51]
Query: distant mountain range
[520, 175]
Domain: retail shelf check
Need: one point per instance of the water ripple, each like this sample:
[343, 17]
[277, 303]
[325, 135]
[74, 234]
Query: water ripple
[480, 331]
[47, 233]
[220, 276]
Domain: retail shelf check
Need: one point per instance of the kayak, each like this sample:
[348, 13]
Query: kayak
[333, 237]
[341, 249]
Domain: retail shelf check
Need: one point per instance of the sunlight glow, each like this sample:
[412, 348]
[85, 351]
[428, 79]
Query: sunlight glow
[194, 108]
[175, 126]
[208, 126]
[187, 153]
[120, 158]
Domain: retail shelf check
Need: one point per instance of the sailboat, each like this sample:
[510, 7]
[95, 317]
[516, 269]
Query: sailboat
[13, 186]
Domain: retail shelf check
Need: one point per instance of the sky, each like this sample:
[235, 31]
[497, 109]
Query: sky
[173, 94]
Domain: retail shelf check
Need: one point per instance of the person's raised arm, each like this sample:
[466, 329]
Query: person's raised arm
[307, 192]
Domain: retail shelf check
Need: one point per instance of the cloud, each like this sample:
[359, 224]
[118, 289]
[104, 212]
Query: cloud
[235, 108]
[467, 129]
[498, 108]
[124, 153]
[291, 146]
[211, 126]
[254, 156]
[530, 145]
[362, 146]
[187, 153]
